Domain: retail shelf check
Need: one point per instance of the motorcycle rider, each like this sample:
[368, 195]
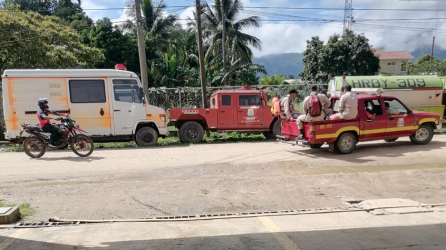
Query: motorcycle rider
[45, 120]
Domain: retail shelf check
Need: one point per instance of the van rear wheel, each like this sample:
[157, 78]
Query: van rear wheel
[146, 136]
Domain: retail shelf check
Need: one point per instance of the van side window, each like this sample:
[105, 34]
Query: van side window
[127, 90]
[226, 100]
[248, 100]
[213, 102]
[87, 91]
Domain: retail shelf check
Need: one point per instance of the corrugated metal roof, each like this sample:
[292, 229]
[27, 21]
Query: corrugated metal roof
[387, 55]
[67, 73]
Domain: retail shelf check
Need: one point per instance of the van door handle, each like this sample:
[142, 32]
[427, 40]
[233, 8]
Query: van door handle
[391, 118]
[117, 110]
[130, 110]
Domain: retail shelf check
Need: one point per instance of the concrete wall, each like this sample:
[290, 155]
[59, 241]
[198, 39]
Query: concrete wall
[393, 67]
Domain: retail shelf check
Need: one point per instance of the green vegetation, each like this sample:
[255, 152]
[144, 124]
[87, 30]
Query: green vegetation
[349, 54]
[58, 34]
[427, 66]
[25, 209]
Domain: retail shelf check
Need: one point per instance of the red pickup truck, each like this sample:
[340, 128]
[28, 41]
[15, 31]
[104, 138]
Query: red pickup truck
[231, 110]
[343, 135]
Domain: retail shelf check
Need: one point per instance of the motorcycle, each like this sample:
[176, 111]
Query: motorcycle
[69, 134]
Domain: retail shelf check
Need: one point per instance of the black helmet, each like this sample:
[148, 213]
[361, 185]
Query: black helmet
[42, 102]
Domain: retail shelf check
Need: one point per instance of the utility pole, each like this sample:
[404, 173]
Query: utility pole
[432, 51]
[223, 36]
[142, 50]
[348, 15]
[201, 55]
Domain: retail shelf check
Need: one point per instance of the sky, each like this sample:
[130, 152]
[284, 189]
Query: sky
[286, 25]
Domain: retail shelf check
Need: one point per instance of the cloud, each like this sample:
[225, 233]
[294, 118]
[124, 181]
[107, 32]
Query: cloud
[90, 5]
[283, 37]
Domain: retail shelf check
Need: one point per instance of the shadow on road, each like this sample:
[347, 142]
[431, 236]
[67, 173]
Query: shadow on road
[72, 158]
[426, 237]
[378, 149]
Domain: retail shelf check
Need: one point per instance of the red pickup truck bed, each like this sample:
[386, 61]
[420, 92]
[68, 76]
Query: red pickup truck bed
[343, 135]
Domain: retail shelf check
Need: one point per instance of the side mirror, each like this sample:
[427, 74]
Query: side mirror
[142, 96]
[409, 111]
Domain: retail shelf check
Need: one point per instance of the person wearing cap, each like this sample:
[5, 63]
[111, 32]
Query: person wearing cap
[287, 110]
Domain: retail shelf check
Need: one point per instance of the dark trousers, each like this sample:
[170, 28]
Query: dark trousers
[54, 132]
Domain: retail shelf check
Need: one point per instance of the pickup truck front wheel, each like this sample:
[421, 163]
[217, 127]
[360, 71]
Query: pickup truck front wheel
[423, 135]
[346, 143]
[191, 132]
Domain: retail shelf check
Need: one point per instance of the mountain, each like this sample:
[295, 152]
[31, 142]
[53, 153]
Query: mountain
[291, 63]
[438, 53]
[287, 64]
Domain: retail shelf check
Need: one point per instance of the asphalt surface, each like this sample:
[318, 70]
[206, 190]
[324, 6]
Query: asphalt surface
[339, 231]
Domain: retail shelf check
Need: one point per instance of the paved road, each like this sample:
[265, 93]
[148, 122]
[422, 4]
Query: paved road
[239, 177]
[338, 231]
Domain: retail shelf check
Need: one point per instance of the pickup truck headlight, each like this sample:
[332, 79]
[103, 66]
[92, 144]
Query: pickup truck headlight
[163, 117]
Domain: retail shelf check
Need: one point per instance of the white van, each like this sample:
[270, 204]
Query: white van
[108, 103]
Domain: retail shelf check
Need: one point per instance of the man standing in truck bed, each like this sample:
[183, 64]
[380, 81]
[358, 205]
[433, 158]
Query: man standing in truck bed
[313, 108]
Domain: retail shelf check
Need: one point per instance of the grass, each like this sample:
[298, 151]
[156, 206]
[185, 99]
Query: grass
[24, 208]
[214, 137]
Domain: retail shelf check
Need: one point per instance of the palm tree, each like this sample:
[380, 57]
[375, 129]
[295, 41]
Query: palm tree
[154, 22]
[237, 42]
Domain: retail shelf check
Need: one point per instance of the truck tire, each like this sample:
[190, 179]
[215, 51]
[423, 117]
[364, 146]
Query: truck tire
[146, 136]
[191, 132]
[315, 146]
[276, 129]
[346, 143]
[423, 135]
[391, 140]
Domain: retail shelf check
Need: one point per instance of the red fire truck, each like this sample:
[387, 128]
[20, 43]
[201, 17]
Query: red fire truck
[244, 110]
[343, 135]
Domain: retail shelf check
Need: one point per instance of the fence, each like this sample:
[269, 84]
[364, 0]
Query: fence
[191, 97]
[2, 119]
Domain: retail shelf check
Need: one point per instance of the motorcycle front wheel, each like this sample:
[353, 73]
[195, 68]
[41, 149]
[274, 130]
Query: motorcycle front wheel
[82, 145]
[34, 147]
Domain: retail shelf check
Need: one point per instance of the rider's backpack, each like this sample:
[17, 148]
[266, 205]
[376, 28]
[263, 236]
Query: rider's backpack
[315, 106]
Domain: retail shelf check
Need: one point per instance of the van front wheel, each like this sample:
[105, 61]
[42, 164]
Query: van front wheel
[146, 136]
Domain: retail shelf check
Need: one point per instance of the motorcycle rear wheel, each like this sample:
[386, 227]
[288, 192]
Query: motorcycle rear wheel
[36, 144]
[82, 145]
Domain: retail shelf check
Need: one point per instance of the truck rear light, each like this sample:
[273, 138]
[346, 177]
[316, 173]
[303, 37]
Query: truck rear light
[163, 117]
[312, 131]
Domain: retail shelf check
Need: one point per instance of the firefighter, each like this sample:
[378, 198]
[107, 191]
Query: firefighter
[313, 108]
[348, 107]
[327, 110]
[287, 110]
